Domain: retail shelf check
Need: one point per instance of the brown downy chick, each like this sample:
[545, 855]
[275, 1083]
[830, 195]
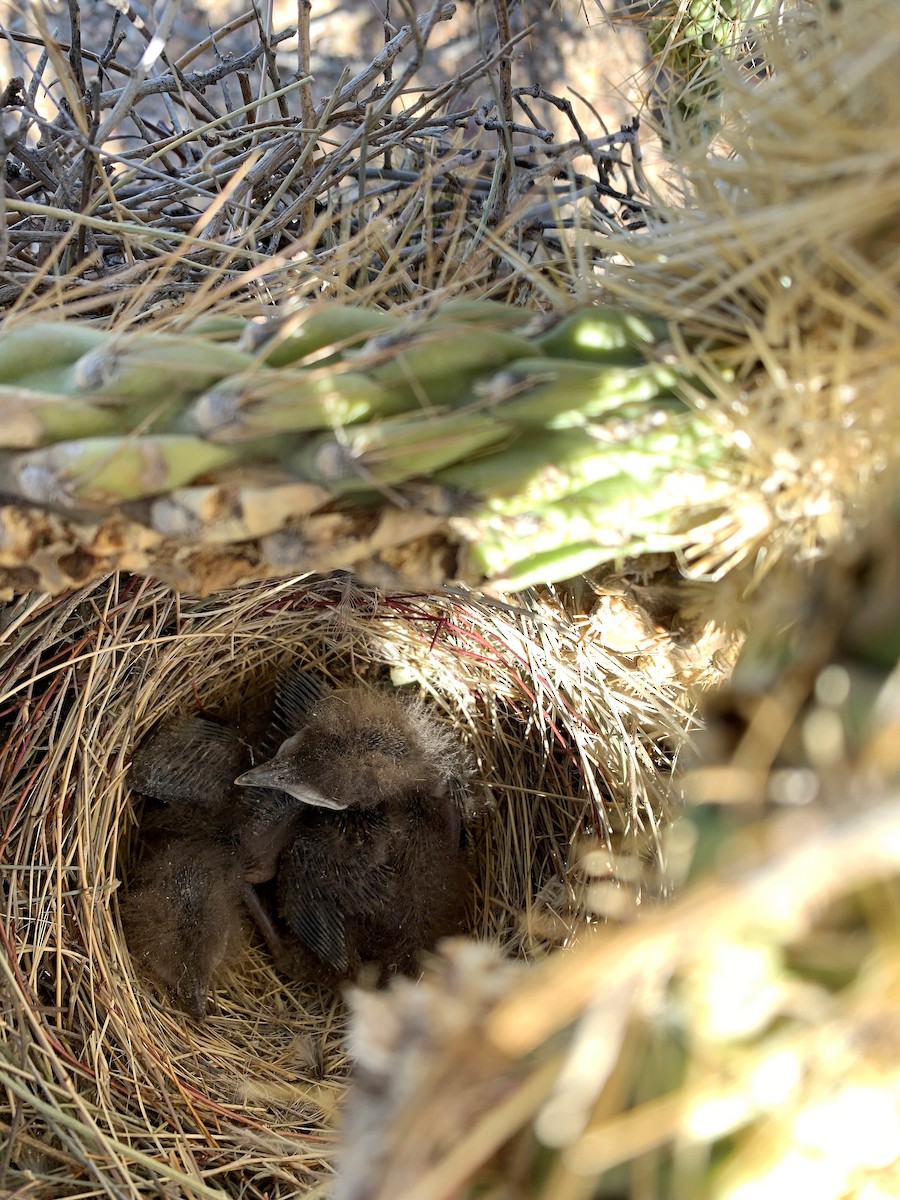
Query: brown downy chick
[377, 869]
[205, 844]
[183, 915]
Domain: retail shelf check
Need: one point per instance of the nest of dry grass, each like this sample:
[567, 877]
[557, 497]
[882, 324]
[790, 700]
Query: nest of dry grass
[148, 197]
[107, 1083]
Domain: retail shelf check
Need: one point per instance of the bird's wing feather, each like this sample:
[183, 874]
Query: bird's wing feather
[325, 885]
[296, 695]
[188, 758]
[320, 927]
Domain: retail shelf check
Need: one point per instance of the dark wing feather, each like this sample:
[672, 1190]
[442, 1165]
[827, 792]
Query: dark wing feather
[311, 904]
[320, 927]
[296, 695]
[189, 759]
[325, 884]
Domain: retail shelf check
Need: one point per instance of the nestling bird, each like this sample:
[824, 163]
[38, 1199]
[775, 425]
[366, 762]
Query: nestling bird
[184, 914]
[376, 868]
[360, 818]
[208, 842]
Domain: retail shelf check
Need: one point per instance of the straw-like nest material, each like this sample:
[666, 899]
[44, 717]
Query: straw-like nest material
[571, 741]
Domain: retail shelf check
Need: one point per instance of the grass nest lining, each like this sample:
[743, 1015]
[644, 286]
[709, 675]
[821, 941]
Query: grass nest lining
[109, 1088]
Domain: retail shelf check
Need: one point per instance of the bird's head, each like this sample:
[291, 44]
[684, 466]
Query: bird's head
[356, 750]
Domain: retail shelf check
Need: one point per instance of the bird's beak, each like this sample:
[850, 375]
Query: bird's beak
[281, 774]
